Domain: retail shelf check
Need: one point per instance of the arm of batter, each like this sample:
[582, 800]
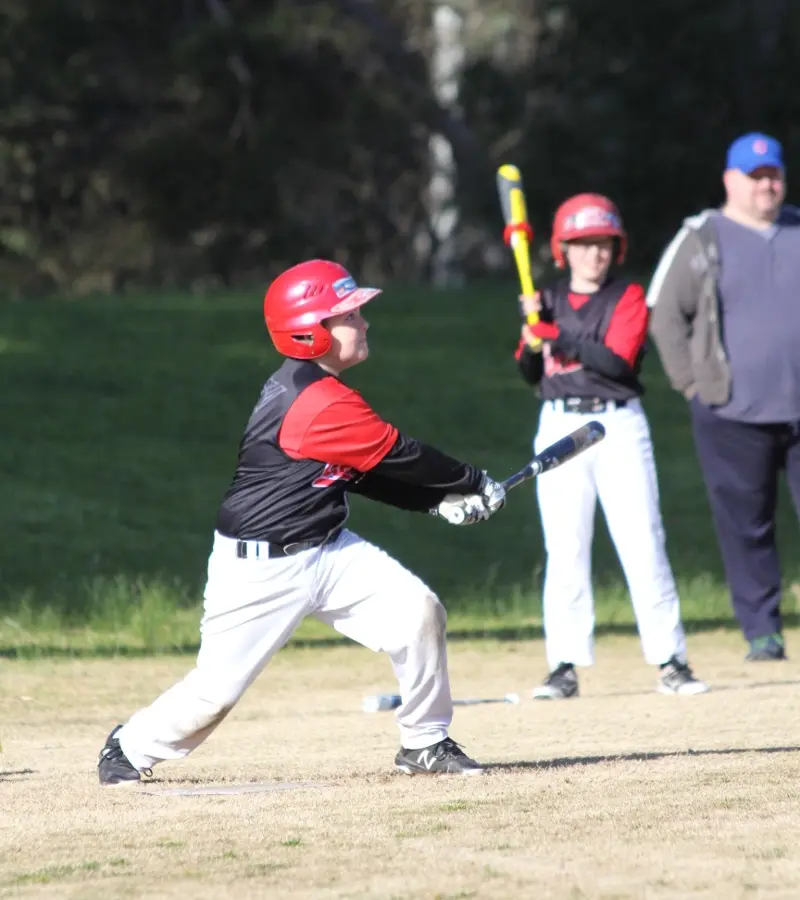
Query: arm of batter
[412, 497]
[334, 424]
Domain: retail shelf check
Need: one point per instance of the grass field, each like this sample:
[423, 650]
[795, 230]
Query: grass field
[622, 794]
[122, 421]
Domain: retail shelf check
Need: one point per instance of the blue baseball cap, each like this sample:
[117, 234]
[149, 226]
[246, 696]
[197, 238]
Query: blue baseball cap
[751, 151]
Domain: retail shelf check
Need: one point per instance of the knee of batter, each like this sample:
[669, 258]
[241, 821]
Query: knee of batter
[429, 621]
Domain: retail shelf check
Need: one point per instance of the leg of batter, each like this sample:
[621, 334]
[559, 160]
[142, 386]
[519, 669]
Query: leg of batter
[252, 606]
[371, 598]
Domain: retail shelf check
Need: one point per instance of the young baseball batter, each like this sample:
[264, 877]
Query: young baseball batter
[281, 551]
[584, 356]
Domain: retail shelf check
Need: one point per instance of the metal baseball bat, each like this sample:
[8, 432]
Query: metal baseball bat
[561, 451]
[382, 702]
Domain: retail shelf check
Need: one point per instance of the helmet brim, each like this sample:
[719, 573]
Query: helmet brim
[354, 299]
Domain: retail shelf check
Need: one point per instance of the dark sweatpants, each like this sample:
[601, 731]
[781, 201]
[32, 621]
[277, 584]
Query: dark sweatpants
[740, 464]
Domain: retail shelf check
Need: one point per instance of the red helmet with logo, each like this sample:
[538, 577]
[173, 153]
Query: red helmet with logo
[586, 215]
[301, 298]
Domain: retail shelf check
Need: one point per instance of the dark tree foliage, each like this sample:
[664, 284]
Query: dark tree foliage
[214, 141]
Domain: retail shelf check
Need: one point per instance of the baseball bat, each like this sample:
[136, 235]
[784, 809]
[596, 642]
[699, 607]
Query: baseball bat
[561, 451]
[518, 231]
[383, 702]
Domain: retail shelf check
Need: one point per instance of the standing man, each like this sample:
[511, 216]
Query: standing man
[725, 302]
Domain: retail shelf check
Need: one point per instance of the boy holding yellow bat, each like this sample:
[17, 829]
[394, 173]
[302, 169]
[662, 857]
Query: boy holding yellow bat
[581, 347]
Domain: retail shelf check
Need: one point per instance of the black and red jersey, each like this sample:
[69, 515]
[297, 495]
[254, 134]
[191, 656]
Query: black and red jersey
[605, 333]
[309, 441]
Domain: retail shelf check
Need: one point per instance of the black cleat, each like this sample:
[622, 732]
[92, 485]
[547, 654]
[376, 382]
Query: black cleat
[113, 766]
[560, 684]
[444, 758]
[676, 677]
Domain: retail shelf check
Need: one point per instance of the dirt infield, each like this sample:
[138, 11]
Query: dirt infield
[623, 793]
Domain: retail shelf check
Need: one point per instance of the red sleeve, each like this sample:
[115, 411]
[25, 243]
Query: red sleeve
[627, 330]
[332, 423]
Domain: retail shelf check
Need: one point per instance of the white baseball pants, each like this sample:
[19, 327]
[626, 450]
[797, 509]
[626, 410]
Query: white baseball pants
[252, 607]
[621, 471]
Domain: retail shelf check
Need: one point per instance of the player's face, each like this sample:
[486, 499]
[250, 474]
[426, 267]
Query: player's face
[349, 340]
[759, 193]
[590, 258]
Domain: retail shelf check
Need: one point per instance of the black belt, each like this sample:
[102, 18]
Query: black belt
[268, 550]
[589, 404]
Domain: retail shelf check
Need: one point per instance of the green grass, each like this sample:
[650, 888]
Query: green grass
[122, 418]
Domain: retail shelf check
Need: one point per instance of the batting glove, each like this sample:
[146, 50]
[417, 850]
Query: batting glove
[545, 331]
[461, 509]
[493, 494]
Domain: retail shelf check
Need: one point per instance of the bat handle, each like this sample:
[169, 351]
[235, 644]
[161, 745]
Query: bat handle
[530, 471]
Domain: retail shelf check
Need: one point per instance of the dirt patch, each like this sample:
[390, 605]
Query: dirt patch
[623, 793]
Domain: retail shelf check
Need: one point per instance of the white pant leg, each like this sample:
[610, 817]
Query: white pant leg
[567, 501]
[252, 607]
[371, 598]
[628, 489]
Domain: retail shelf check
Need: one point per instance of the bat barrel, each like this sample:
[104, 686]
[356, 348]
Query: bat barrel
[561, 451]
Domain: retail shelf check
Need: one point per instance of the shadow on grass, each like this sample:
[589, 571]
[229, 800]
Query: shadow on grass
[503, 633]
[566, 762]
[16, 773]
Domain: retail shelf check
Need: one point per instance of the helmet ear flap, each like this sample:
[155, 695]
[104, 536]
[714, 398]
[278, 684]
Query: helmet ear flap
[558, 252]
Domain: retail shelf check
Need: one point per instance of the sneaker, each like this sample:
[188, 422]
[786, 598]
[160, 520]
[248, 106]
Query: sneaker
[560, 684]
[113, 766]
[677, 678]
[766, 648]
[446, 757]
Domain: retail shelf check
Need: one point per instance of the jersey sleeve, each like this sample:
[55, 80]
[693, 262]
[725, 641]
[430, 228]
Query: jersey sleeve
[413, 462]
[332, 423]
[627, 330]
[411, 497]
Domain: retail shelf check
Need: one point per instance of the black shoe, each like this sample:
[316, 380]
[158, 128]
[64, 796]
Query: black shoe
[560, 684]
[675, 677]
[113, 766]
[766, 648]
[446, 757]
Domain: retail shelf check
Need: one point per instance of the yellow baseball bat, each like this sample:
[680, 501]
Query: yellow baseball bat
[518, 230]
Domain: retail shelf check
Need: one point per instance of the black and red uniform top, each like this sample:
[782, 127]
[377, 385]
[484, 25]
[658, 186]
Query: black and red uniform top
[309, 441]
[600, 345]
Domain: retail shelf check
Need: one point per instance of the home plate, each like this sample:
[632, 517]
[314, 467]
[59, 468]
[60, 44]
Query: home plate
[266, 787]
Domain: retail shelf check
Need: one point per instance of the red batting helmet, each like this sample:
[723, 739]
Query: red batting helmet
[586, 215]
[301, 298]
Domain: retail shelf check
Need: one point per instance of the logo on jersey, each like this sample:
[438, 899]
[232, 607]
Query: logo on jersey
[333, 473]
[555, 364]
